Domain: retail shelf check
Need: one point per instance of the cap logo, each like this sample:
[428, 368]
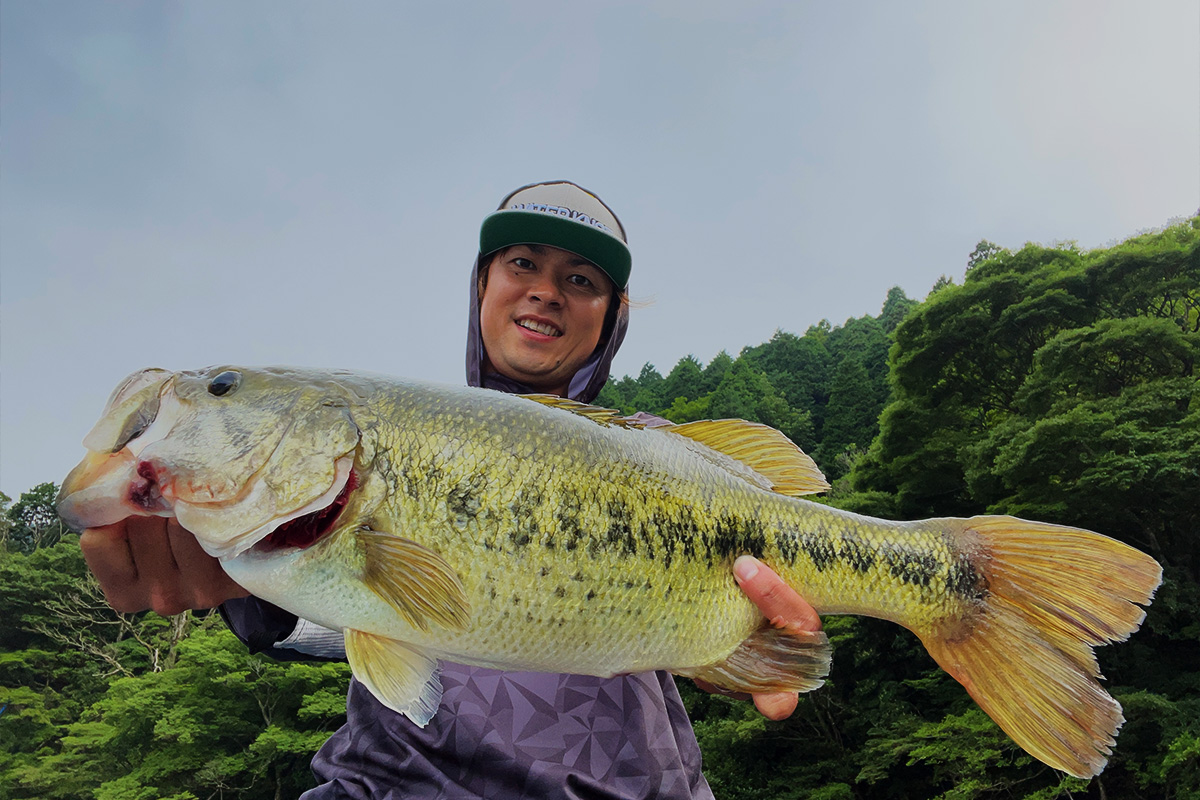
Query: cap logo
[562, 211]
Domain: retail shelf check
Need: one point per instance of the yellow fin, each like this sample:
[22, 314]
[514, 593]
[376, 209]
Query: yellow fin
[771, 660]
[414, 580]
[1025, 654]
[597, 414]
[401, 677]
[761, 448]
[787, 469]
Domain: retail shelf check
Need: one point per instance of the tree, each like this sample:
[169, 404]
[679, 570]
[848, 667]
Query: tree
[32, 521]
[686, 380]
[895, 309]
[851, 418]
[649, 395]
[959, 360]
[714, 373]
[221, 720]
[1105, 408]
[745, 393]
[982, 252]
[798, 367]
[6, 524]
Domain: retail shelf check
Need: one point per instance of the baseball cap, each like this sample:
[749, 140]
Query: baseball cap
[564, 215]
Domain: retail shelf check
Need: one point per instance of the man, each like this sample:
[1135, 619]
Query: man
[548, 312]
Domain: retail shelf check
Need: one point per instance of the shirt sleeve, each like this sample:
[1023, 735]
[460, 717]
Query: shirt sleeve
[267, 628]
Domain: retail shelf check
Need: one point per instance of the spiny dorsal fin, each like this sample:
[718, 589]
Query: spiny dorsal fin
[414, 580]
[400, 676]
[761, 448]
[597, 414]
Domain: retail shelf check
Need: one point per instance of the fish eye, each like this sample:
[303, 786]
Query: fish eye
[224, 383]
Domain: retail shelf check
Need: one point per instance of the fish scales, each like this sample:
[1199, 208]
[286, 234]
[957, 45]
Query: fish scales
[581, 564]
[650, 542]
[432, 522]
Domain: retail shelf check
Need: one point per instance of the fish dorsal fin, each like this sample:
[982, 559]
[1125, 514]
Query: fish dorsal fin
[400, 676]
[414, 580]
[761, 448]
[597, 414]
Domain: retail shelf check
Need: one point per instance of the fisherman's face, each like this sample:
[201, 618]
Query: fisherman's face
[541, 315]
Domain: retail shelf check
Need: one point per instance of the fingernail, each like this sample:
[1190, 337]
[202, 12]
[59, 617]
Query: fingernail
[745, 568]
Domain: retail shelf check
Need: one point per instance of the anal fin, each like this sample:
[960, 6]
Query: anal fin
[401, 677]
[771, 660]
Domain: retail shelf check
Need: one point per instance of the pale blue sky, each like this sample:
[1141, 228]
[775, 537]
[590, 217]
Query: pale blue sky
[184, 184]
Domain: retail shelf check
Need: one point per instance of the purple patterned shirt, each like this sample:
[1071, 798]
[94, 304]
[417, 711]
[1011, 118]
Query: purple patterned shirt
[515, 735]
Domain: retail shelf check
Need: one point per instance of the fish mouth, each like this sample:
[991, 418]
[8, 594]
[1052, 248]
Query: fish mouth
[298, 529]
[304, 531]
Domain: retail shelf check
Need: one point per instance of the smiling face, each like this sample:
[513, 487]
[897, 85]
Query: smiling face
[541, 315]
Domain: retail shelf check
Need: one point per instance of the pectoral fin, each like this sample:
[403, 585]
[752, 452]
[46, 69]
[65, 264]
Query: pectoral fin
[401, 677]
[414, 580]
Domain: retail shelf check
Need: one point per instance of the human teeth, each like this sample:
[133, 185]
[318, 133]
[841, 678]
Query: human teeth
[540, 327]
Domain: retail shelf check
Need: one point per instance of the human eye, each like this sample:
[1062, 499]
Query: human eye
[523, 263]
[582, 281]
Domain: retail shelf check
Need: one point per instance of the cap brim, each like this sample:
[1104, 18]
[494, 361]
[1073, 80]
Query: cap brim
[506, 228]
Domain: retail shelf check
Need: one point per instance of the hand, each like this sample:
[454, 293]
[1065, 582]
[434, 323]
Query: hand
[786, 610]
[152, 562]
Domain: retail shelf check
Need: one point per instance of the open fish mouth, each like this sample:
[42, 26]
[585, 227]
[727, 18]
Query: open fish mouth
[306, 530]
[298, 529]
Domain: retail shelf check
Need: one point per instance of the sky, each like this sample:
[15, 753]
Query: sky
[302, 182]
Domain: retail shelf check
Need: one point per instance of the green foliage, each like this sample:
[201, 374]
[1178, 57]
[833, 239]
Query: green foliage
[746, 393]
[32, 521]
[983, 251]
[106, 705]
[895, 309]
[1028, 336]
[799, 367]
[1062, 385]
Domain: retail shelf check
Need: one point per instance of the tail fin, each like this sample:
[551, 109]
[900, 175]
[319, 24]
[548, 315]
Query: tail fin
[1026, 655]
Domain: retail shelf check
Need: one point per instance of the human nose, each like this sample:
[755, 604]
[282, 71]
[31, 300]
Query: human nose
[546, 289]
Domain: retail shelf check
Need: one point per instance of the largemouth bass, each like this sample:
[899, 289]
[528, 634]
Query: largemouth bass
[430, 522]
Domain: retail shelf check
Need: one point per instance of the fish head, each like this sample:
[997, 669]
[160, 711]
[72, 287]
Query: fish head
[232, 453]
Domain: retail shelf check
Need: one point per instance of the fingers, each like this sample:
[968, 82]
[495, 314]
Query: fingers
[157, 585]
[199, 574]
[777, 601]
[776, 705]
[107, 553]
[786, 610]
[152, 562]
